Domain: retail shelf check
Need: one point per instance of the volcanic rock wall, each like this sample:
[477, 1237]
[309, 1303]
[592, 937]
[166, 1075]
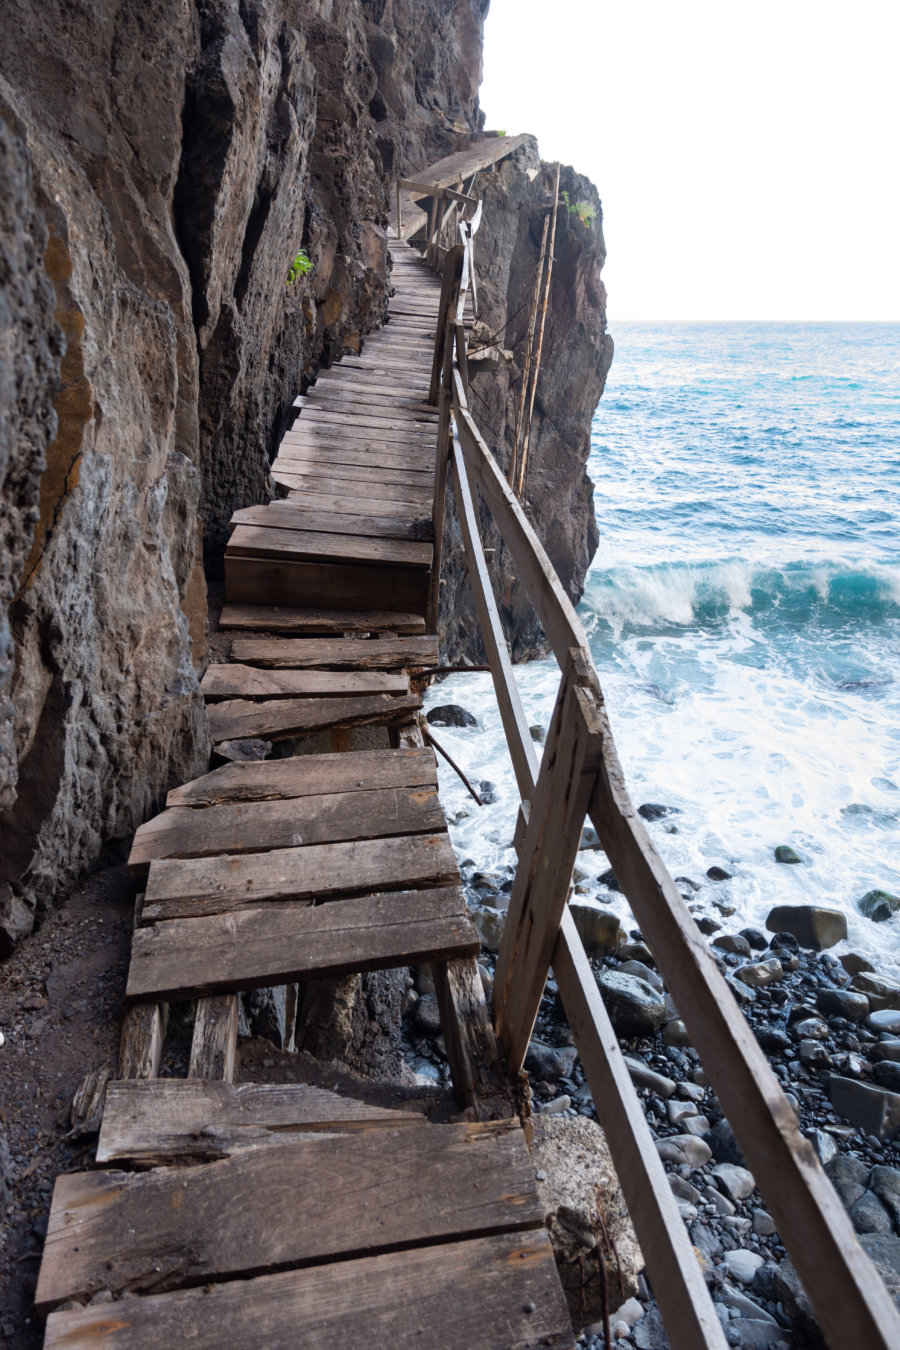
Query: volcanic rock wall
[161, 164]
[575, 358]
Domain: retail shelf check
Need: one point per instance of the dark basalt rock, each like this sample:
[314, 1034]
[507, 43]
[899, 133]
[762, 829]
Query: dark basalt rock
[635, 1007]
[656, 811]
[812, 925]
[450, 715]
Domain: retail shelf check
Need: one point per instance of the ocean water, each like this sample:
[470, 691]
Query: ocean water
[743, 612]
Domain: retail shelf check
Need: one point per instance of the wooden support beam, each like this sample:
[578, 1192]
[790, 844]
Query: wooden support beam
[690, 1318]
[143, 1033]
[214, 1043]
[476, 1064]
[572, 756]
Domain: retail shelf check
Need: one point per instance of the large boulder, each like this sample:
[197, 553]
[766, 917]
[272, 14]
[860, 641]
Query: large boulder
[599, 930]
[878, 905]
[812, 925]
[635, 1008]
[586, 1215]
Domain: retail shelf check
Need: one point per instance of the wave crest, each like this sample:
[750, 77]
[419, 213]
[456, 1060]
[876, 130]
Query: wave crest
[705, 593]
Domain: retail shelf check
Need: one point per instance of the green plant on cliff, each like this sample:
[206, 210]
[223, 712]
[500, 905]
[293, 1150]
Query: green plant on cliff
[299, 267]
[583, 210]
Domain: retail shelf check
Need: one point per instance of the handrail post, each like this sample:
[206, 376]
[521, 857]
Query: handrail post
[572, 758]
[442, 392]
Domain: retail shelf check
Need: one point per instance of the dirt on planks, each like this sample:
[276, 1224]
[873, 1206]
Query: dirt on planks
[61, 999]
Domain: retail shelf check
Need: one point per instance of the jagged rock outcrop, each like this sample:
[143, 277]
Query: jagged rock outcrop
[576, 356]
[162, 164]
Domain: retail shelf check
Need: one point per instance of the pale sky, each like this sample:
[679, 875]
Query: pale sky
[747, 156]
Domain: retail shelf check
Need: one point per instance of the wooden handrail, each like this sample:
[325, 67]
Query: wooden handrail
[580, 773]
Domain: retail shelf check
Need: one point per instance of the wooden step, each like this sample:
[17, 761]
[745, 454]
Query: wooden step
[331, 481]
[258, 948]
[308, 776]
[281, 719]
[154, 1122]
[195, 887]
[288, 515]
[254, 579]
[302, 1201]
[361, 467]
[337, 653]
[287, 619]
[500, 1291]
[236, 681]
[313, 546]
[342, 502]
[340, 450]
[256, 827]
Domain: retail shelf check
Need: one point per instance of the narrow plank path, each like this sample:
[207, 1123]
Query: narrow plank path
[273, 1215]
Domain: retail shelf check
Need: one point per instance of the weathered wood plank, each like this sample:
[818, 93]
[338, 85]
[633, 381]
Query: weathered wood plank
[260, 541]
[285, 619]
[259, 826]
[185, 888]
[328, 449]
[689, 1315]
[276, 944]
[375, 470]
[237, 681]
[331, 482]
[317, 429]
[214, 1042]
[388, 495]
[308, 776]
[423, 1184]
[288, 515]
[370, 421]
[284, 718]
[569, 769]
[141, 1042]
[512, 1299]
[351, 504]
[374, 654]
[177, 1119]
[249, 580]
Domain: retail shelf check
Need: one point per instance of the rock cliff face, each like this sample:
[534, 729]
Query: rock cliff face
[576, 355]
[162, 164]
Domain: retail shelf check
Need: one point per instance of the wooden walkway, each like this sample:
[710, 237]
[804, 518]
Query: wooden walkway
[264, 1215]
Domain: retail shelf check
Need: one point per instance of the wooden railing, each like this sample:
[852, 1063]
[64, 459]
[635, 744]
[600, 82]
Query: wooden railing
[579, 775]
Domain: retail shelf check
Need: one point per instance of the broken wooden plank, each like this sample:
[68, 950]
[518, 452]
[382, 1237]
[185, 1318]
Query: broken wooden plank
[287, 619]
[176, 1119]
[300, 544]
[259, 826]
[237, 681]
[184, 888]
[421, 1185]
[287, 515]
[276, 944]
[308, 776]
[512, 1298]
[286, 718]
[249, 580]
[363, 654]
[214, 1042]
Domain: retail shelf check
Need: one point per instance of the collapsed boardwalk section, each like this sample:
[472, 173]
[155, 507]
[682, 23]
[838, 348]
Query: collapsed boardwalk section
[273, 1215]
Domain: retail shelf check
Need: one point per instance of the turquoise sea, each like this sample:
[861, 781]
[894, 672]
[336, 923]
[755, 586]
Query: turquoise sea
[744, 614]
